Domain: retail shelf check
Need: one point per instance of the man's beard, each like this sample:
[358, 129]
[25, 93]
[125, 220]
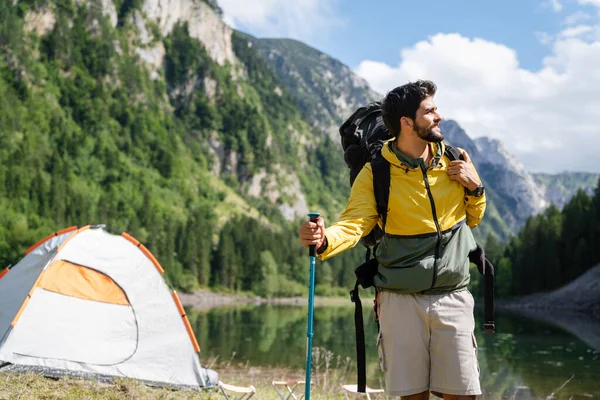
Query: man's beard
[428, 134]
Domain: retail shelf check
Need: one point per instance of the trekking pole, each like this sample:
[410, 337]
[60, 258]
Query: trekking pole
[312, 251]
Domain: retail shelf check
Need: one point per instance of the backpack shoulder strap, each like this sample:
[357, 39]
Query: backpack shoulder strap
[477, 257]
[453, 153]
[381, 188]
[361, 359]
[381, 185]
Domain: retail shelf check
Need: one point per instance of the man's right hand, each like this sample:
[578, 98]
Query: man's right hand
[312, 233]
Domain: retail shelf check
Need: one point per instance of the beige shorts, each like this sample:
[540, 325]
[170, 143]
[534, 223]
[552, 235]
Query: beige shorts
[426, 342]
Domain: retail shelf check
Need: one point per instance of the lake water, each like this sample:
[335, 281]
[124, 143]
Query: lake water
[528, 358]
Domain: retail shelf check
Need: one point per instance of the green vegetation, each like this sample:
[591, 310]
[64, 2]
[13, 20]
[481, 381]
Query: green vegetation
[32, 387]
[552, 249]
[87, 136]
[327, 382]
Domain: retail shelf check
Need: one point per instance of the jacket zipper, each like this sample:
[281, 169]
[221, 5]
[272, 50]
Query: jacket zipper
[437, 227]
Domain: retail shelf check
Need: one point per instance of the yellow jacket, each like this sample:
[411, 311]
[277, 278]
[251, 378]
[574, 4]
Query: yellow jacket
[426, 242]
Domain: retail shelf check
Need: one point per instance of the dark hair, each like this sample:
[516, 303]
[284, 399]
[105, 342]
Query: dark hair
[404, 101]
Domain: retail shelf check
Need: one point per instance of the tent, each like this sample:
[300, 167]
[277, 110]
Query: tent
[84, 302]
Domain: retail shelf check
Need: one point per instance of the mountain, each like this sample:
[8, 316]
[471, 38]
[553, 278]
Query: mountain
[514, 193]
[326, 90]
[560, 188]
[512, 190]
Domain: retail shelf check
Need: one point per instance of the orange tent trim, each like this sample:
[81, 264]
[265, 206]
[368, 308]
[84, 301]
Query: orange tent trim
[85, 228]
[58, 233]
[186, 322]
[14, 321]
[3, 273]
[144, 250]
[152, 258]
[130, 238]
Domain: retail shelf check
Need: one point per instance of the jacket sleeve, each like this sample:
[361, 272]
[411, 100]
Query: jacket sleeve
[475, 206]
[357, 220]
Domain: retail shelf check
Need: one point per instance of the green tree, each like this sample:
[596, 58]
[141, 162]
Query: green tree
[267, 283]
[503, 276]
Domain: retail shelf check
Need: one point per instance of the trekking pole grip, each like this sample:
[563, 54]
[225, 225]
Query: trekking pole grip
[314, 217]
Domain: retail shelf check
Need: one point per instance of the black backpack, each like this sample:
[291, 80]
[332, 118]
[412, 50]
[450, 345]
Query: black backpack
[362, 136]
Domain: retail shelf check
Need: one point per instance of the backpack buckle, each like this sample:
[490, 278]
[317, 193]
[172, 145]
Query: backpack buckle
[489, 328]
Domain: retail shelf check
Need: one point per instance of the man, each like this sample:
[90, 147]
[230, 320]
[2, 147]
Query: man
[426, 341]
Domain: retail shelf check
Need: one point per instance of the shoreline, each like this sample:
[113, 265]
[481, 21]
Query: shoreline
[205, 299]
[582, 296]
[579, 296]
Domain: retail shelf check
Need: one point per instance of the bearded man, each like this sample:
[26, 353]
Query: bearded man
[426, 341]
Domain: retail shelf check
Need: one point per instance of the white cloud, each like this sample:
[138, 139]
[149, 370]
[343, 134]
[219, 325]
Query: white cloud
[298, 19]
[584, 32]
[576, 31]
[554, 4]
[549, 119]
[577, 18]
[544, 38]
[592, 2]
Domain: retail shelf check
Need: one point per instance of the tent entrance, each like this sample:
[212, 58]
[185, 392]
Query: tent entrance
[77, 314]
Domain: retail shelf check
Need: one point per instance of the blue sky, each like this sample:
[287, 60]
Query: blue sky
[391, 25]
[524, 72]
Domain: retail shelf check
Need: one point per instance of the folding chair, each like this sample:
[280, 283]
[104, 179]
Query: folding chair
[354, 389]
[290, 386]
[244, 392]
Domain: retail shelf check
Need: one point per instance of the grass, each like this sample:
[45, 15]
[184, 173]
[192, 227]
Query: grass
[329, 373]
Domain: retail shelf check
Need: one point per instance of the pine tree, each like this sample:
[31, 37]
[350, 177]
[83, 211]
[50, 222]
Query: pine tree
[575, 255]
[267, 283]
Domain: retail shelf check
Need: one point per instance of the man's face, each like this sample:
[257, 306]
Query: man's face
[427, 122]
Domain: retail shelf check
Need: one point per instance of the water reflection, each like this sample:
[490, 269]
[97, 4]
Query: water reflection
[527, 358]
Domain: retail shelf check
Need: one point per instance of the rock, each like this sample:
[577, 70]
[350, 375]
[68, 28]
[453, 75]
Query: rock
[580, 295]
[204, 25]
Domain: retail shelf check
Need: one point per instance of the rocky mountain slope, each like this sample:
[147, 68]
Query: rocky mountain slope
[326, 90]
[574, 307]
[515, 194]
[559, 188]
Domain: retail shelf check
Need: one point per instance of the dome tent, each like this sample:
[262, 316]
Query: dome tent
[87, 302]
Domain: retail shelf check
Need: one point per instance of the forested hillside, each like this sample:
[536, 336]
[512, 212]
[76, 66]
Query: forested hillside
[552, 249]
[87, 135]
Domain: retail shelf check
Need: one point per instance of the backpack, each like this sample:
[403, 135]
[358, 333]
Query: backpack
[362, 136]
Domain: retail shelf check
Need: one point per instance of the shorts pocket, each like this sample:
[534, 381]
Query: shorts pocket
[382, 363]
[475, 354]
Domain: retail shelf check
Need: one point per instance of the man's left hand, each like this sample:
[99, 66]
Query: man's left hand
[463, 172]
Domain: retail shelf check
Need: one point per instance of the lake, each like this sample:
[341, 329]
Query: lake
[528, 358]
